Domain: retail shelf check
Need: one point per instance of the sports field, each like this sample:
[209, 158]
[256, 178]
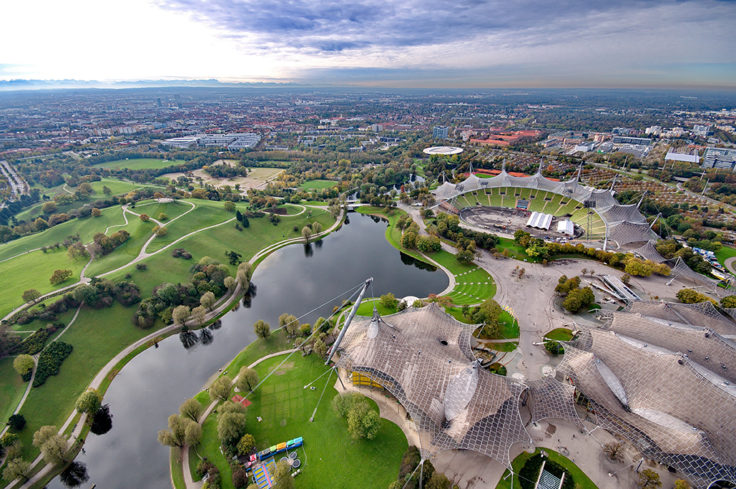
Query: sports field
[318, 184]
[139, 164]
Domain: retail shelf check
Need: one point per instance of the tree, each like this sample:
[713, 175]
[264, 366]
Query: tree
[16, 468]
[233, 257]
[262, 329]
[282, 478]
[319, 347]
[176, 435]
[578, 299]
[192, 434]
[207, 300]
[247, 444]
[77, 251]
[438, 481]
[290, 322]
[96, 212]
[191, 408]
[43, 434]
[89, 402]
[17, 422]
[229, 206]
[245, 271]
[691, 296]
[306, 233]
[240, 478]
[363, 422]
[199, 314]
[247, 379]
[54, 449]
[229, 282]
[23, 364]
[106, 190]
[49, 208]
[60, 276]
[388, 301]
[614, 451]
[160, 231]
[144, 217]
[31, 295]
[230, 427]
[220, 388]
[180, 314]
[649, 479]
[409, 240]
[681, 484]
[729, 301]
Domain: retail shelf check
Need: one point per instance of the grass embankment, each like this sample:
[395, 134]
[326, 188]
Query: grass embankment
[176, 469]
[285, 408]
[116, 186]
[724, 254]
[11, 390]
[559, 334]
[140, 164]
[473, 285]
[318, 184]
[582, 481]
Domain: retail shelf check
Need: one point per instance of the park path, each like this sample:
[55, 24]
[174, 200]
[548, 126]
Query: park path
[222, 304]
[729, 264]
[191, 483]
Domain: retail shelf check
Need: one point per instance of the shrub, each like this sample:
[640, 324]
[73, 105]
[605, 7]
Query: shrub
[17, 422]
[60, 276]
[23, 364]
[691, 296]
[50, 360]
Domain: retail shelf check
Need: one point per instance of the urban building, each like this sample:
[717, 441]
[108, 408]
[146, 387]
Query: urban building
[440, 132]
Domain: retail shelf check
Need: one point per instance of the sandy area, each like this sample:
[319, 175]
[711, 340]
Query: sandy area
[257, 177]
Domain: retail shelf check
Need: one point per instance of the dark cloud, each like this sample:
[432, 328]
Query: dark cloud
[333, 25]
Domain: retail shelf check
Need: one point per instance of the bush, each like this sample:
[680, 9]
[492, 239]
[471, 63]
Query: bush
[60, 276]
[35, 342]
[181, 253]
[23, 364]
[389, 301]
[17, 422]
[578, 299]
[691, 296]
[50, 360]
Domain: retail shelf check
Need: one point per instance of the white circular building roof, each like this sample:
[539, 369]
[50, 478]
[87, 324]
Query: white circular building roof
[443, 150]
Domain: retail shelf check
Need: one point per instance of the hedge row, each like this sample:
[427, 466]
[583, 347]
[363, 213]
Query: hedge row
[50, 360]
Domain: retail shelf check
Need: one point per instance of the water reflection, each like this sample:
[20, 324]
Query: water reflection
[154, 383]
[102, 421]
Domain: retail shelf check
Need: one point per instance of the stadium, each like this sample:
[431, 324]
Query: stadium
[595, 213]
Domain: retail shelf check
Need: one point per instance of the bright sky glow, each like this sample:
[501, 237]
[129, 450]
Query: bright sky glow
[468, 43]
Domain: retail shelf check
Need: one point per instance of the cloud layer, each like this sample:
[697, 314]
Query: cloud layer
[390, 42]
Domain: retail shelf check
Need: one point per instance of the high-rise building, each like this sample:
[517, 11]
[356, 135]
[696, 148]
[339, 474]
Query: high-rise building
[439, 132]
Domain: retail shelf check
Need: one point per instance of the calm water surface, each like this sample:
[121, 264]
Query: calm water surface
[295, 279]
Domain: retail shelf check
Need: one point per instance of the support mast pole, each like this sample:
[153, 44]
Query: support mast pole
[348, 320]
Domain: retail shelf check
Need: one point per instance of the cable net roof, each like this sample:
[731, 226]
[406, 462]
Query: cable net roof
[672, 409]
[423, 357]
[701, 345]
[618, 213]
[625, 232]
[703, 314]
[649, 252]
[686, 274]
[550, 398]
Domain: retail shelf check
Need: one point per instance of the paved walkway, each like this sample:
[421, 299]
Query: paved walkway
[729, 263]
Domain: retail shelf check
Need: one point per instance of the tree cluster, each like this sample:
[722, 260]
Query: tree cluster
[363, 420]
[576, 298]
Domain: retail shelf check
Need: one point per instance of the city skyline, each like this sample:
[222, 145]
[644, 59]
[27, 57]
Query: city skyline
[366, 43]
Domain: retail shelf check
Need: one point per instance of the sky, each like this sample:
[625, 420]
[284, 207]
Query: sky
[400, 43]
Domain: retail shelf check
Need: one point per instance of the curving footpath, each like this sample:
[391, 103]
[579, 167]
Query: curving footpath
[222, 304]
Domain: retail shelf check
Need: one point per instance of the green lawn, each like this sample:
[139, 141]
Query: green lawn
[32, 271]
[162, 267]
[582, 481]
[473, 285]
[318, 184]
[725, 253]
[277, 341]
[330, 458]
[140, 164]
[366, 308]
[176, 469]
[11, 389]
[560, 334]
[97, 336]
